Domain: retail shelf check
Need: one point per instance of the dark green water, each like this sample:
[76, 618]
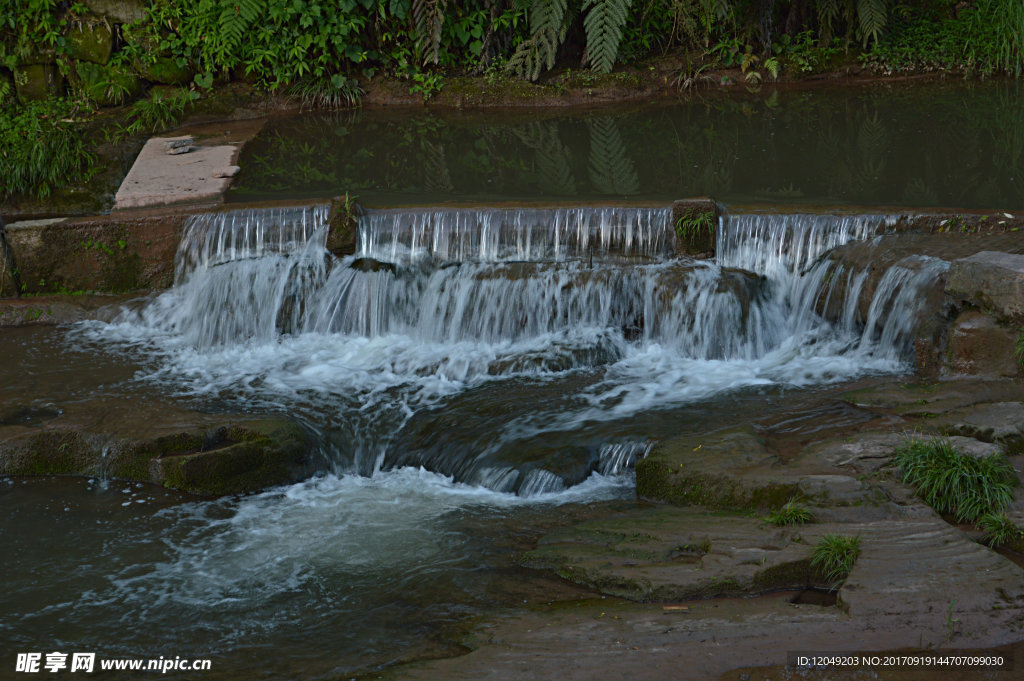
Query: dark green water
[935, 144]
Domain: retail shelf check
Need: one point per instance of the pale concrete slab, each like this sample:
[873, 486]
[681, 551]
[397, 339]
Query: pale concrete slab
[158, 178]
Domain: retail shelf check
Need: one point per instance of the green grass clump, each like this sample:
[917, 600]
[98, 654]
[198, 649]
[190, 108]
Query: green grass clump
[161, 110]
[835, 555]
[999, 530]
[42, 148]
[691, 228]
[790, 514]
[963, 486]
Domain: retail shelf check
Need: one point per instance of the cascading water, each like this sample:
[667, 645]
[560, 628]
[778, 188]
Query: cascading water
[480, 343]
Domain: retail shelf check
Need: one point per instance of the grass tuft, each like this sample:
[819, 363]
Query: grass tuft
[963, 486]
[999, 530]
[791, 513]
[835, 555]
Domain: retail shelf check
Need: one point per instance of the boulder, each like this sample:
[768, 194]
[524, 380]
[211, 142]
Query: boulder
[120, 11]
[91, 41]
[37, 81]
[991, 281]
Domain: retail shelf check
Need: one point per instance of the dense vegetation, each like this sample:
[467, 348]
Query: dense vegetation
[326, 51]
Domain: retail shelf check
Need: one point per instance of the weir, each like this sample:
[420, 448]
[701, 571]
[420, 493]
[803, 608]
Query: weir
[471, 341]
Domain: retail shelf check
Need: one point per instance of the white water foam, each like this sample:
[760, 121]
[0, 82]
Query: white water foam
[273, 320]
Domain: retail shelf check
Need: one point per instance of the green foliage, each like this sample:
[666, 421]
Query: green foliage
[160, 111]
[42, 148]
[835, 555]
[872, 16]
[327, 93]
[951, 482]
[429, 18]
[603, 23]
[548, 27]
[791, 513]
[999, 530]
[987, 37]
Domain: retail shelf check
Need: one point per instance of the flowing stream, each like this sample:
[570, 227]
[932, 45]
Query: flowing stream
[464, 371]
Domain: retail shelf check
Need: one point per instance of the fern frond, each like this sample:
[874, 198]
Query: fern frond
[428, 16]
[548, 27]
[603, 24]
[872, 16]
[828, 15]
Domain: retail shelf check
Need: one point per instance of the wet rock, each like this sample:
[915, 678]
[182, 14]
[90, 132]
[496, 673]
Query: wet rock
[243, 457]
[666, 553]
[91, 40]
[979, 345]
[122, 11]
[37, 81]
[729, 469]
[695, 225]
[343, 225]
[870, 452]
[107, 85]
[233, 459]
[113, 253]
[991, 281]
[1001, 423]
[926, 566]
[53, 310]
[930, 398]
[9, 279]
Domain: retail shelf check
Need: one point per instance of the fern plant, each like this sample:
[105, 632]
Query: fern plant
[603, 23]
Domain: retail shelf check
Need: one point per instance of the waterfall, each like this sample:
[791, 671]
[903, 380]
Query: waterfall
[474, 341]
[513, 234]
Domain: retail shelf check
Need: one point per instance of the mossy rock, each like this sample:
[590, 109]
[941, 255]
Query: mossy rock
[37, 81]
[107, 85]
[165, 70]
[237, 459]
[343, 226]
[728, 469]
[225, 460]
[91, 41]
[120, 11]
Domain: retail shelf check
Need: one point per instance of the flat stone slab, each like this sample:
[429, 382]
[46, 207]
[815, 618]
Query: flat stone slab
[871, 452]
[925, 566]
[732, 469]
[158, 179]
[668, 554]
[990, 280]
